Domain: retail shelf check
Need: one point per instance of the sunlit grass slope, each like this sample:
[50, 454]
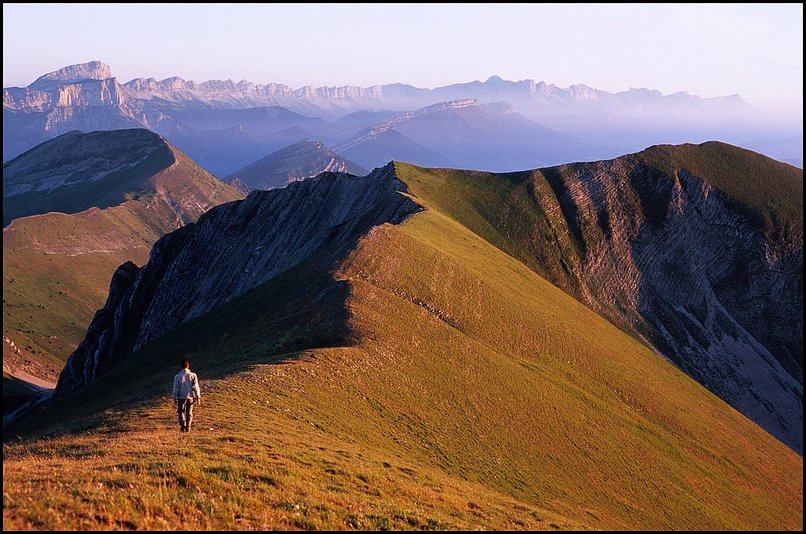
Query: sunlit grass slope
[428, 380]
[508, 209]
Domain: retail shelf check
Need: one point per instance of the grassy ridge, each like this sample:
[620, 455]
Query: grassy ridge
[432, 381]
[502, 209]
[768, 192]
[588, 228]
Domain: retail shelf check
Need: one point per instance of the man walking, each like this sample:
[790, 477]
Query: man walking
[186, 393]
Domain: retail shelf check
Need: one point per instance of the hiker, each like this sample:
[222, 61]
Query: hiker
[186, 393]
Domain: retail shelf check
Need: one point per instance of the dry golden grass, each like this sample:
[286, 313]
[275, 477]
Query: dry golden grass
[246, 466]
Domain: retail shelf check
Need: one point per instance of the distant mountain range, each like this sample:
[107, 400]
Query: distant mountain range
[474, 135]
[226, 125]
[337, 101]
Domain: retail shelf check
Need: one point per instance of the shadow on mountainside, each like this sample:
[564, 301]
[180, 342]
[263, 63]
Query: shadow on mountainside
[295, 311]
[302, 307]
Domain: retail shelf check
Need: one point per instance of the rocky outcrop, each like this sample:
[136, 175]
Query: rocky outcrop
[231, 249]
[94, 70]
[696, 278]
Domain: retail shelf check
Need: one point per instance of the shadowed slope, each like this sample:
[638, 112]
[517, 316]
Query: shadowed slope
[57, 266]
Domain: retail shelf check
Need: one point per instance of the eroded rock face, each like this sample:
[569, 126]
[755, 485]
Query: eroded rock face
[669, 258]
[93, 70]
[231, 249]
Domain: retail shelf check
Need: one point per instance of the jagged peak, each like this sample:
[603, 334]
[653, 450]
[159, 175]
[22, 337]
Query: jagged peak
[314, 143]
[97, 70]
[644, 91]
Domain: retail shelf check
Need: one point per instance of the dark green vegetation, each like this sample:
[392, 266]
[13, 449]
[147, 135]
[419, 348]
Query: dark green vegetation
[426, 378]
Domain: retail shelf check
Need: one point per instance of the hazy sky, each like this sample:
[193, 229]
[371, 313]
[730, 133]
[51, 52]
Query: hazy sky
[753, 50]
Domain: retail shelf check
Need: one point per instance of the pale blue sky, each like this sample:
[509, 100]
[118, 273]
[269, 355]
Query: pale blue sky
[753, 50]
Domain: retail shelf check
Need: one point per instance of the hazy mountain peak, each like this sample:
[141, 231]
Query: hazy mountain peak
[94, 70]
[500, 108]
[645, 91]
[304, 159]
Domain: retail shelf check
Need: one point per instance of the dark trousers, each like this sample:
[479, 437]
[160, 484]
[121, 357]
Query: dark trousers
[184, 409]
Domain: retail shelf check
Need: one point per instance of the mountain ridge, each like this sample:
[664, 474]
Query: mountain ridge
[198, 117]
[57, 266]
[61, 176]
[93, 70]
[413, 353]
[249, 94]
[616, 235]
[613, 235]
[299, 161]
[332, 226]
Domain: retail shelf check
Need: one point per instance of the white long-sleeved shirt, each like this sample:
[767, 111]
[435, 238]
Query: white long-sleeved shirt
[186, 385]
